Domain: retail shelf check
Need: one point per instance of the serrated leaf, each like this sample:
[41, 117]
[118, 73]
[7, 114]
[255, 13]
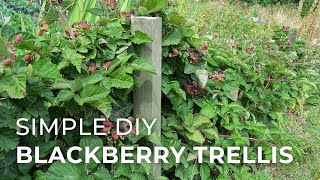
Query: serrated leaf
[176, 87]
[39, 175]
[91, 142]
[64, 95]
[122, 170]
[92, 93]
[165, 87]
[8, 114]
[102, 174]
[142, 65]
[154, 5]
[119, 79]
[196, 136]
[97, 97]
[8, 139]
[204, 172]
[200, 121]
[137, 176]
[14, 85]
[74, 58]
[76, 85]
[61, 84]
[45, 69]
[173, 38]
[211, 133]
[208, 110]
[118, 61]
[10, 172]
[68, 170]
[155, 139]
[92, 79]
[3, 49]
[140, 37]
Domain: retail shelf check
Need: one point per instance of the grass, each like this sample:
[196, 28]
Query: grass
[307, 27]
[307, 128]
[231, 22]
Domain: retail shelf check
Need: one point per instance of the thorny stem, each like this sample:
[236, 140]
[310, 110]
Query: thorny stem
[66, 21]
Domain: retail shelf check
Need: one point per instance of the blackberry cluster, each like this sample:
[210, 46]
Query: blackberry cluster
[193, 88]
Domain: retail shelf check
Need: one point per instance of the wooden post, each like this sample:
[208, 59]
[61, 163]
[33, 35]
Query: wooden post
[147, 96]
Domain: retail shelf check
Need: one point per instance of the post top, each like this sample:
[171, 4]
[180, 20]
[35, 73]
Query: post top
[145, 17]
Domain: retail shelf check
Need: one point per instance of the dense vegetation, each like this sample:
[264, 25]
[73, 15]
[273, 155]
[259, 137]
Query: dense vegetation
[308, 5]
[229, 87]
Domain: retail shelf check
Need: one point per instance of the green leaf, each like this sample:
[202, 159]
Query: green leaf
[45, 69]
[61, 84]
[102, 174]
[172, 38]
[92, 93]
[103, 105]
[96, 96]
[64, 95]
[142, 65]
[67, 170]
[39, 175]
[119, 79]
[8, 114]
[176, 19]
[120, 60]
[208, 110]
[204, 172]
[140, 37]
[74, 58]
[137, 176]
[76, 85]
[154, 5]
[9, 172]
[92, 79]
[187, 173]
[25, 168]
[14, 85]
[8, 139]
[155, 139]
[122, 170]
[211, 133]
[200, 121]
[3, 49]
[165, 87]
[115, 28]
[196, 136]
[176, 87]
[91, 142]
[239, 140]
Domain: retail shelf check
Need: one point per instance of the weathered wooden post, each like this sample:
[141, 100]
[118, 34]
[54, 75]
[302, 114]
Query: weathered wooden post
[147, 96]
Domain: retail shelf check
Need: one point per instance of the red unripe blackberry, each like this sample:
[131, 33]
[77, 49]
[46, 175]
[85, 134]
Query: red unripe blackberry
[204, 47]
[115, 137]
[175, 52]
[106, 130]
[7, 62]
[107, 123]
[107, 65]
[18, 38]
